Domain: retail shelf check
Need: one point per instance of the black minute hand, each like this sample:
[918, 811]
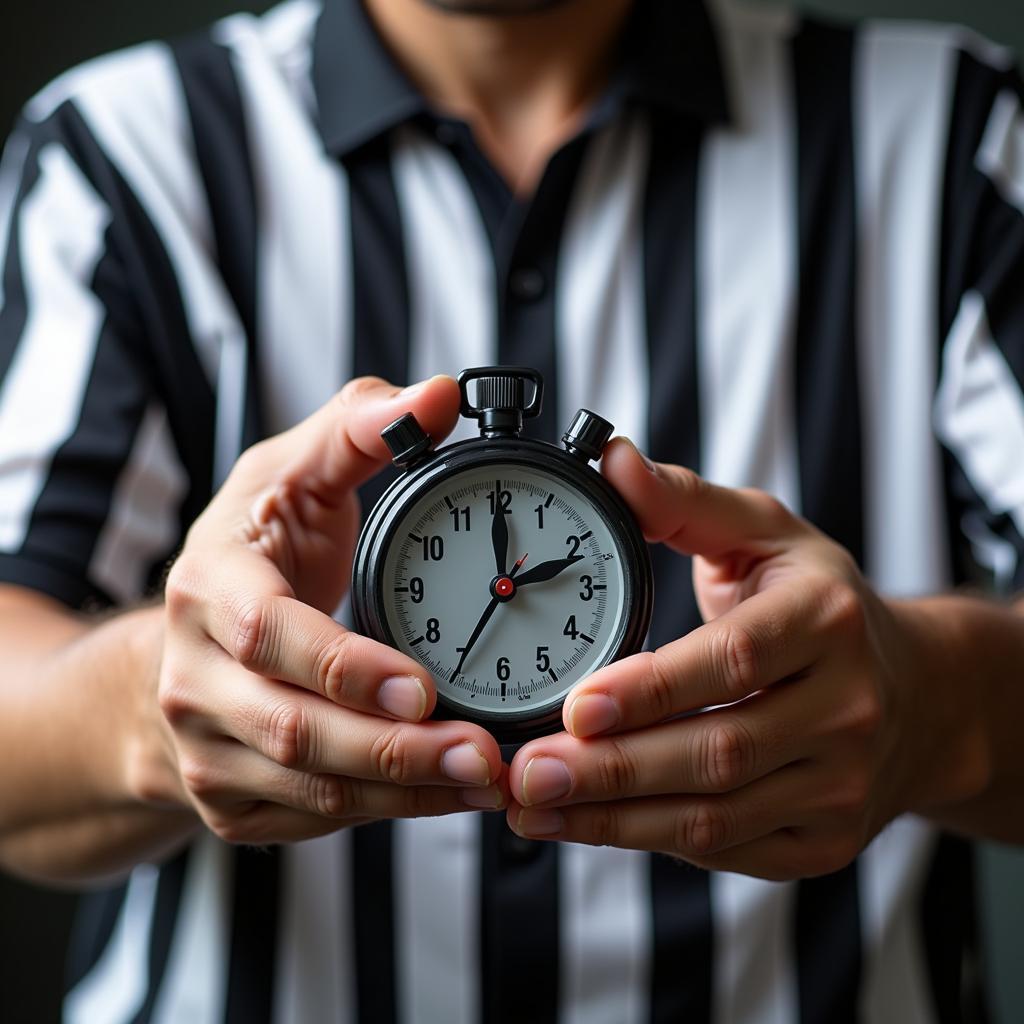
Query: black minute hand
[547, 570]
[484, 619]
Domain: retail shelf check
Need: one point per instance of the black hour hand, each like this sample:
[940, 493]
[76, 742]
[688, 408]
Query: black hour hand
[546, 570]
[499, 538]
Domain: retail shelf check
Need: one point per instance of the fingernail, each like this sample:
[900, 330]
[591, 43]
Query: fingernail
[490, 799]
[403, 697]
[465, 763]
[593, 713]
[539, 823]
[544, 779]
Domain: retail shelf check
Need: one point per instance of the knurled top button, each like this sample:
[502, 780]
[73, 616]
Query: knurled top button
[527, 284]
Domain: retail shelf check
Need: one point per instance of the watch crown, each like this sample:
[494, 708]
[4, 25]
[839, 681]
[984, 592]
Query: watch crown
[406, 440]
[587, 435]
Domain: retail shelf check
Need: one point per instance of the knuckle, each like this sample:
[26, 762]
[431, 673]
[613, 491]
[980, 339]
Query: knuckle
[332, 669]
[701, 829]
[198, 776]
[726, 755]
[844, 610]
[235, 829]
[735, 652]
[617, 770]
[656, 687]
[251, 633]
[288, 734]
[183, 587]
[391, 756]
[420, 802]
[690, 483]
[254, 462]
[769, 509]
[867, 713]
[174, 698]
[603, 826]
[325, 795]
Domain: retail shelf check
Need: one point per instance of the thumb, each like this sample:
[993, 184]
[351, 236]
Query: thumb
[339, 446]
[675, 506]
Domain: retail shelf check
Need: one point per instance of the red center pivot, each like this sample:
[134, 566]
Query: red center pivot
[504, 587]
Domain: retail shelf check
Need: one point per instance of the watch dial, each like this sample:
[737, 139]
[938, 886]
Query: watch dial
[507, 583]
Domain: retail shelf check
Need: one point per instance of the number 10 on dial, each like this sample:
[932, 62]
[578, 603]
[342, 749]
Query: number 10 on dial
[508, 567]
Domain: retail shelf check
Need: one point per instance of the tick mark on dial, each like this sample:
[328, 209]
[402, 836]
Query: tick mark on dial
[448, 501]
[418, 640]
[551, 498]
[413, 537]
[587, 535]
[551, 672]
[589, 639]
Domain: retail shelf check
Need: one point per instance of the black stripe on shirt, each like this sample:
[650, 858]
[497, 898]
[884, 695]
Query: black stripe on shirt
[380, 286]
[827, 914]
[949, 926]
[14, 311]
[165, 917]
[222, 153]
[178, 376]
[827, 390]
[373, 923]
[680, 895]
[252, 959]
[519, 940]
[95, 919]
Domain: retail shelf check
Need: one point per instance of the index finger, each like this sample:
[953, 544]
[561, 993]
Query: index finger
[247, 610]
[764, 639]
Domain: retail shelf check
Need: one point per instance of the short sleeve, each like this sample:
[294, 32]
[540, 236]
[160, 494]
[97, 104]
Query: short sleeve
[90, 482]
[979, 407]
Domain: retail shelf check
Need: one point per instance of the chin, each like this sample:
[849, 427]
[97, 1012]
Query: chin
[495, 8]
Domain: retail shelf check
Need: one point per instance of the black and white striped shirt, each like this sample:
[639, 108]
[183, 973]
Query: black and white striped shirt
[786, 253]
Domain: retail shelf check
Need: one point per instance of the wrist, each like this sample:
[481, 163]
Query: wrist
[944, 680]
[147, 772]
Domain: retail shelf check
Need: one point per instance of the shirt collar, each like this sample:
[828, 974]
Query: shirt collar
[669, 59]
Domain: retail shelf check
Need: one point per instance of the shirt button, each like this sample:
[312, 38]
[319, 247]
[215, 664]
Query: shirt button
[526, 284]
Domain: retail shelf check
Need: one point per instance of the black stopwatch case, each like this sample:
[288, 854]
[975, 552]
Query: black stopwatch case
[384, 520]
[432, 470]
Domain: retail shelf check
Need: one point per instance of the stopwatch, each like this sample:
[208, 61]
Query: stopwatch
[508, 567]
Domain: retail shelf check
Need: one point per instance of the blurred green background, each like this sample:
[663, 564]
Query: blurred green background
[40, 39]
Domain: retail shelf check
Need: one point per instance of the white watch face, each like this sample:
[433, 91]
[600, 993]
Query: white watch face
[512, 641]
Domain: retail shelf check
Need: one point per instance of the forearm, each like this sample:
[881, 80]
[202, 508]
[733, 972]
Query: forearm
[86, 780]
[971, 694]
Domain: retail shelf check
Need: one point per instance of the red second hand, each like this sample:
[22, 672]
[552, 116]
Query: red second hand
[519, 564]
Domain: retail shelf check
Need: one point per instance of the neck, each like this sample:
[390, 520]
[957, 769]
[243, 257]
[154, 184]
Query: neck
[522, 81]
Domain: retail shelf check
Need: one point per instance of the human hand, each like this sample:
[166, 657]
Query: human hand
[824, 718]
[284, 725]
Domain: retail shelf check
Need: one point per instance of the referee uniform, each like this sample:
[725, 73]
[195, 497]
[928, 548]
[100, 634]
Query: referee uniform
[786, 253]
